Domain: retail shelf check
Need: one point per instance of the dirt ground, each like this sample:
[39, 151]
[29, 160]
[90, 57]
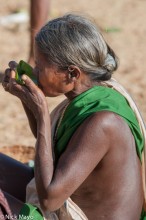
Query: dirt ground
[125, 22]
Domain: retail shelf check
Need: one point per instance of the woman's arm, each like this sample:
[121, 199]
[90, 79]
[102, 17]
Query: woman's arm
[57, 183]
[31, 119]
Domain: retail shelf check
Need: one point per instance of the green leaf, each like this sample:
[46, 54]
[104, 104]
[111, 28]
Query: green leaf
[24, 68]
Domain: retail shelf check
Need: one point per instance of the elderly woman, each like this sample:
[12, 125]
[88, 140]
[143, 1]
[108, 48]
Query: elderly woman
[88, 154]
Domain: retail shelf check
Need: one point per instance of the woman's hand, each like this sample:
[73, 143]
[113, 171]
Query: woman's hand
[28, 93]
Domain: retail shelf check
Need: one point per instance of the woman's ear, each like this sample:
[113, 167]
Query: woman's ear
[73, 72]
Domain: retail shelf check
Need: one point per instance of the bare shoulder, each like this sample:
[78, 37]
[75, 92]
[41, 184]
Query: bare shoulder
[102, 128]
[97, 135]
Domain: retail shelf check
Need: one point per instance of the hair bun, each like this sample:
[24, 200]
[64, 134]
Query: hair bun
[109, 63]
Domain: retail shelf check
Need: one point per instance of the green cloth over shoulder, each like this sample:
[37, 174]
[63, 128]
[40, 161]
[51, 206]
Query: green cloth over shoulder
[96, 99]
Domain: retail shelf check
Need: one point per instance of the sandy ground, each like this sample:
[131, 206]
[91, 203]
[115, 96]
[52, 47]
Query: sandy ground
[126, 21]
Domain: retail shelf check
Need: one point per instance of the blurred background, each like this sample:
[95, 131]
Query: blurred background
[123, 25]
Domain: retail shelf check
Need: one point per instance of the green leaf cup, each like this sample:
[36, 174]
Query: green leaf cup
[24, 68]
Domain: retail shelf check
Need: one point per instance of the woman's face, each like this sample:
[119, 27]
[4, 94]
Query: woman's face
[51, 81]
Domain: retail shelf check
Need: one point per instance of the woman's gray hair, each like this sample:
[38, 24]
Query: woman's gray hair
[75, 40]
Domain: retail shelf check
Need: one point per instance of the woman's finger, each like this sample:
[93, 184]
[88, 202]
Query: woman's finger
[7, 71]
[7, 75]
[6, 79]
[5, 86]
[12, 75]
[17, 90]
[13, 65]
[29, 83]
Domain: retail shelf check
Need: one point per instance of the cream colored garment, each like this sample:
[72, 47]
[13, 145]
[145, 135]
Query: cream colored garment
[70, 211]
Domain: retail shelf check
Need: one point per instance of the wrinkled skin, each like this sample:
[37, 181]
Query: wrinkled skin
[100, 172]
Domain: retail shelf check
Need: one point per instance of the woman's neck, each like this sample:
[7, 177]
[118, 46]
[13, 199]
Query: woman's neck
[80, 88]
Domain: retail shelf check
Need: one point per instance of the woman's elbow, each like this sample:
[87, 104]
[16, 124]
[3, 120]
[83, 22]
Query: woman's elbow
[50, 205]
[54, 200]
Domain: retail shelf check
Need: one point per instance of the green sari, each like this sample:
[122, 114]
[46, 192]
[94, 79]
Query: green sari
[96, 99]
